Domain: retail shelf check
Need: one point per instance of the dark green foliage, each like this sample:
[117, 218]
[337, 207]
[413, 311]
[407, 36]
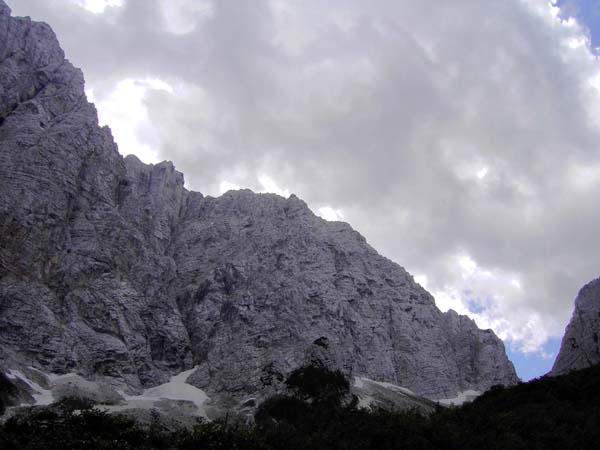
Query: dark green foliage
[316, 416]
[70, 404]
[548, 413]
[282, 409]
[545, 414]
[60, 429]
[318, 384]
[217, 436]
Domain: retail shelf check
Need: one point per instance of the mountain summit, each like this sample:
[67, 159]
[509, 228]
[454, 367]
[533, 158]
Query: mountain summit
[110, 268]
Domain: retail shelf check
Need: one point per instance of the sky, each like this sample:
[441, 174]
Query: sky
[460, 138]
[587, 12]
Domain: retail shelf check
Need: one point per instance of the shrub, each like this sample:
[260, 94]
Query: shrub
[318, 384]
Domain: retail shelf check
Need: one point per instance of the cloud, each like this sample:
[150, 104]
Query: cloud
[459, 137]
[329, 213]
[98, 6]
[124, 110]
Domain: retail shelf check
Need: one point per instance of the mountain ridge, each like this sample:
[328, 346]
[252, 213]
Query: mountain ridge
[111, 268]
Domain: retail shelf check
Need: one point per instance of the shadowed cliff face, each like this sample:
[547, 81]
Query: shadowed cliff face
[580, 347]
[111, 268]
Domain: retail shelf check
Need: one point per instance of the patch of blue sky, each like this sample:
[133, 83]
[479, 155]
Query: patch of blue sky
[476, 306]
[587, 13]
[533, 365]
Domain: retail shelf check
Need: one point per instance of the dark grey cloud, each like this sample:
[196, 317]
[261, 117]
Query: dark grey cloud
[459, 137]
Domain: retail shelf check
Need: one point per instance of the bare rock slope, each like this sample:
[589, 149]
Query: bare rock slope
[112, 269]
[580, 347]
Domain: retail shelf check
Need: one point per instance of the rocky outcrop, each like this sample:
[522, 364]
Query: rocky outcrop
[112, 269]
[580, 347]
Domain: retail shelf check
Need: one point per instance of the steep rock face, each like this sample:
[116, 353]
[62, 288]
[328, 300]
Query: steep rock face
[264, 286]
[580, 347]
[111, 268]
[83, 235]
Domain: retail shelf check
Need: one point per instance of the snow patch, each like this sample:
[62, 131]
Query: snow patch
[359, 382]
[365, 401]
[462, 397]
[368, 395]
[53, 377]
[393, 387]
[175, 389]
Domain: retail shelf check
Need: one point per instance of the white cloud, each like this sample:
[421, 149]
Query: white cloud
[421, 279]
[494, 299]
[481, 173]
[123, 109]
[98, 6]
[225, 186]
[269, 185]
[182, 16]
[331, 214]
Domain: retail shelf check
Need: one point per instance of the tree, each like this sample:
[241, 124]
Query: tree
[317, 384]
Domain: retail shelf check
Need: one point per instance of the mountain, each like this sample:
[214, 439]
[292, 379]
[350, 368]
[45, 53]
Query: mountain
[580, 347]
[111, 269]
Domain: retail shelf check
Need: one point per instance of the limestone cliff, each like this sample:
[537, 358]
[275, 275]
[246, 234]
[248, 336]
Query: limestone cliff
[112, 269]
